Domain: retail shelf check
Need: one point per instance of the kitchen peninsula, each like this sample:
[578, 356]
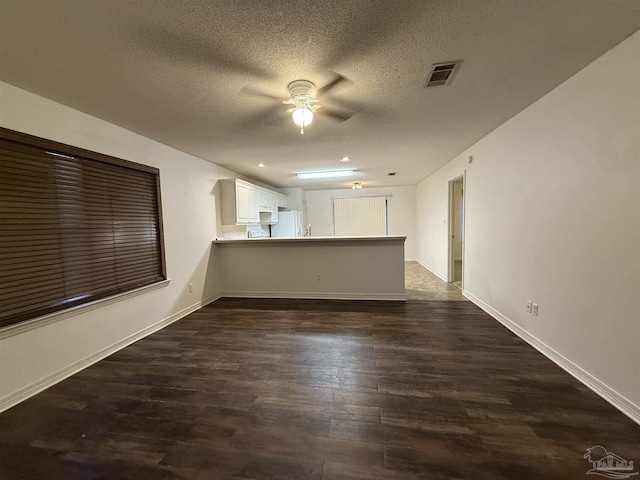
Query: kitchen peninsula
[355, 268]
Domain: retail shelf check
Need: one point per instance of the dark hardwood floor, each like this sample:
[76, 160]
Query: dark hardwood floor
[291, 389]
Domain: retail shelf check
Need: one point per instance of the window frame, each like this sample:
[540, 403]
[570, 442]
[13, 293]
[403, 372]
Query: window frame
[80, 154]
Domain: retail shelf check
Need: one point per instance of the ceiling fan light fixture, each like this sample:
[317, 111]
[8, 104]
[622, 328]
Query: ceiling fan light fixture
[304, 103]
[302, 116]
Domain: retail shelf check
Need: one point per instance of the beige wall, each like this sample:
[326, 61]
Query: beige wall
[401, 212]
[552, 201]
[31, 359]
[290, 268]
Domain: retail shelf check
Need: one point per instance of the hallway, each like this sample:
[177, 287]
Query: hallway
[421, 284]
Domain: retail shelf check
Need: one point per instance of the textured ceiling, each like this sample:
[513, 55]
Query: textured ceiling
[186, 73]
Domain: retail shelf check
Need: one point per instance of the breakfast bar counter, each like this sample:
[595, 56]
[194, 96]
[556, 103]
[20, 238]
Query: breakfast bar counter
[354, 268]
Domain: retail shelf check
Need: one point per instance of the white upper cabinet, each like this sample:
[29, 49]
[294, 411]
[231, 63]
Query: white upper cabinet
[241, 203]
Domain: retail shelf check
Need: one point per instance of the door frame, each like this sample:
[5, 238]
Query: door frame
[450, 254]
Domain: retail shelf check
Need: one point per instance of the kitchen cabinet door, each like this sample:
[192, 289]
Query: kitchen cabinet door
[242, 203]
[264, 201]
[254, 211]
[272, 203]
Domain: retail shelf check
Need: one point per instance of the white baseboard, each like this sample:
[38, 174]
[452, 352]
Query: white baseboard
[50, 380]
[619, 401]
[435, 272]
[397, 297]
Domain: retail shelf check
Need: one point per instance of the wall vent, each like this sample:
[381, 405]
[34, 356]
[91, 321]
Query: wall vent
[440, 74]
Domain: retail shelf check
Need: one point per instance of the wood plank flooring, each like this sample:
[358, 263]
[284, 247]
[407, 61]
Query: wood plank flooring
[293, 389]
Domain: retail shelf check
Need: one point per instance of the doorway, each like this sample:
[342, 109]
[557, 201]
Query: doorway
[456, 230]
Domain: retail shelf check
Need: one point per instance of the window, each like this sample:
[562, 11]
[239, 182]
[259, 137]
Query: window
[75, 226]
[360, 216]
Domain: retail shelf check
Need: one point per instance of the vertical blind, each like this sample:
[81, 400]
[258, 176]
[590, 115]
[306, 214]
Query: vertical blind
[360, 216]
[73, 229]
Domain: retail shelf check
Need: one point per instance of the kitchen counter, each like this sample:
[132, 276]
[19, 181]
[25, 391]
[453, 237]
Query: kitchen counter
[357, 268]
[312, 239]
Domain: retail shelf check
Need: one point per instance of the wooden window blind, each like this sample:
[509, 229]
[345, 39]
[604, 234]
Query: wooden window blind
[360, 216]
[75, 226]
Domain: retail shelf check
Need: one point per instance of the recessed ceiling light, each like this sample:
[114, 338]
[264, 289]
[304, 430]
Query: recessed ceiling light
[261, 165]
[345, 159]
[327, 174]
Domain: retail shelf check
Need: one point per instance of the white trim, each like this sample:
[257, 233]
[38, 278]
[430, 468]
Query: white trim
[619, 401]
[450, 225]
[397, 297]
[435, 272]
[18, 328]
[50, 380]
[456, 176]
[362, 196]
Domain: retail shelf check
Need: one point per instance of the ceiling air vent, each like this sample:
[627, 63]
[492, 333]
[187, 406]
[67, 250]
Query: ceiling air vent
[440, 74]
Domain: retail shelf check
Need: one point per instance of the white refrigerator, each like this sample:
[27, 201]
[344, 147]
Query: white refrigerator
[289, 224]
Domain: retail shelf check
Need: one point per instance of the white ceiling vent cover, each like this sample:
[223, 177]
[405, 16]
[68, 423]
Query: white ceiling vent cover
[440, 74]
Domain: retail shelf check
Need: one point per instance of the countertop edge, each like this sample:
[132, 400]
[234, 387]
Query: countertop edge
[309, 240]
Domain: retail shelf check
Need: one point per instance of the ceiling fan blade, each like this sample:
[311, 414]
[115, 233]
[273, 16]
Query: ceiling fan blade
[331, 85]
[248, 90]
[188, 48]
[275, 115]
[335, 115]
[364, 109]
[361, 35]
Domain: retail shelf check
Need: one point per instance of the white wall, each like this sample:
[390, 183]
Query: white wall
[297, 198]
[401, 212]
[552, 202]
[297, 201]
[31, 359]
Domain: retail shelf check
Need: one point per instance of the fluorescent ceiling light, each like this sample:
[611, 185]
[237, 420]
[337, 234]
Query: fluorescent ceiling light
[328, 174]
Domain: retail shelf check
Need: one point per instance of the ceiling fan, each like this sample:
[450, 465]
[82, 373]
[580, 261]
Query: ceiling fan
[304, 99]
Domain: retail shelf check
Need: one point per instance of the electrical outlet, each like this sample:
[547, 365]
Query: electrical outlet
[191, 287]
[319, 277]
[529, 303]
[534, 309]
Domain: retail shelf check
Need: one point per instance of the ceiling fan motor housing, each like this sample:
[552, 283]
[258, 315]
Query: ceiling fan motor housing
[300, 88]
[299, 91]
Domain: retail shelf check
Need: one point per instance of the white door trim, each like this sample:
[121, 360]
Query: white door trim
[450, 233]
